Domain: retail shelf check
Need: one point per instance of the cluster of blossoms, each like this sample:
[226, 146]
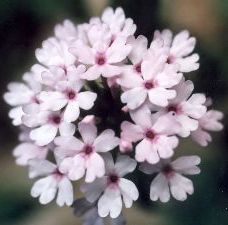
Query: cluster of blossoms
[96, 76]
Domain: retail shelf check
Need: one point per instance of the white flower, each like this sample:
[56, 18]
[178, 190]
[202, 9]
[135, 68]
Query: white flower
[155, 80]
[112, 189]
[155, 133]
[46, 125]
[68, 95]
[119, 25]
[188, 109]
[66, 31]
[210, 121]
[136, 56]
[55, 52]
[54, 183]
[21, 94]
[27, 151]
[181, 46]
[82, 157]
[101, 55]
[170, 178]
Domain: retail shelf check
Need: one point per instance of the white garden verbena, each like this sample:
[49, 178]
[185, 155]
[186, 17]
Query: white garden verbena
[97, 90]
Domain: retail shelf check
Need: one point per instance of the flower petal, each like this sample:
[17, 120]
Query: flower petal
[86, 99]
[124, 165]
[110, 203]
[65, 193]
[88, 132]
[180, 186]
[95, 167]
[129, 192]
[187, 165]
[106, 141]
[159, 189]
[71, 112]
[134, 97]
[44, 134]
[146, 152]
[66, 129]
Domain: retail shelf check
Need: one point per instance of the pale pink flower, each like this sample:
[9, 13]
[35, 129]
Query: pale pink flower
[112, 189]
[210, 121]
[181, 46]
[53, 184]
[21, 94]
[136, 56]
[27, 151]
[119, 25]
[188, 109]
[53, 75]
[68, 96]
[46, 125]
[89, 213]
[101, 57]
[170, 178]
[55, 52]
[84, 28]
[82, 157]
[154, 84]
[155, 133]
[66, 31]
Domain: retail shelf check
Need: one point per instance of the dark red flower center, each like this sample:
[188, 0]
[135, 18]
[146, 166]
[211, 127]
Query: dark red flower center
[56, 119]
[58, 175]
[71, 94]
[149, 85]
[138, 68]
[167, 170]
[170, 59]
[100, 60]
[113, 178]
[172, 108]
[88, 149]
[150, 134]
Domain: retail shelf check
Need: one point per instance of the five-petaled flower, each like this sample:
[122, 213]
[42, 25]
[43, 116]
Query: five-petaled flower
[112, 188]
[170, 178]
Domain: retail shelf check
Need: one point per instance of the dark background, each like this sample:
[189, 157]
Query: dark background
[23, 26]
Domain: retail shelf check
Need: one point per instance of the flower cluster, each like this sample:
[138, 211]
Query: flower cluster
[96, 90]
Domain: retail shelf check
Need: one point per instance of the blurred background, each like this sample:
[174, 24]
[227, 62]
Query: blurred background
[23, 26]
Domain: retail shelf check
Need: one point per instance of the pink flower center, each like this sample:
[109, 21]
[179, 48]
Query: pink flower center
[138, 68]
[174, 108]
[148, 85]
[168, 171]
[35, 100]
[55, 119]
[113, 178]
[170, 59]
[150, 134]
[71, 94]
[58, 175]
[100, 59]
[88, 149]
